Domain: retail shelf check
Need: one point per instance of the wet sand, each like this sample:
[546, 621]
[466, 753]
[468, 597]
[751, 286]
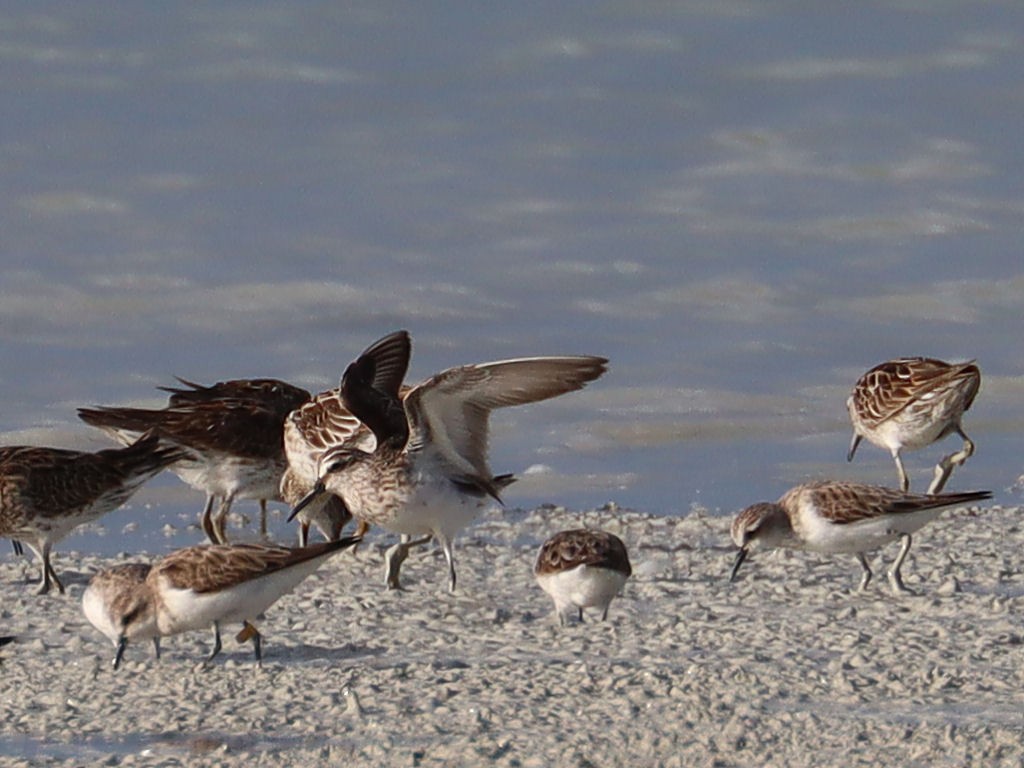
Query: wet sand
[789, 666]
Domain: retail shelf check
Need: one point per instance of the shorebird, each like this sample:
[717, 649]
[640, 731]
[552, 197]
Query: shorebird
[582, 569]
[835, 517]
[312, 433]
[115, 594]
[428, 474]
[45, 493]
[327, 513]
[195, 587]
[910, 403]
[232, 435]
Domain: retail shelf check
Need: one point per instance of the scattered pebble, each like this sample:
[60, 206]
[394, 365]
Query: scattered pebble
[789, 665]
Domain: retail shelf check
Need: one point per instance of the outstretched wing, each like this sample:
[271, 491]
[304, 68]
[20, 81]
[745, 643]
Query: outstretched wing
[449, 412]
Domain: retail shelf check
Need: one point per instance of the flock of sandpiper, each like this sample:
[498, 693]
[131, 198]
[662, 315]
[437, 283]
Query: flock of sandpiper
[413, 461]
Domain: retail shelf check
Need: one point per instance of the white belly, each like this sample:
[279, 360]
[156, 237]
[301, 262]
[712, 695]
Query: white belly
[865, 535]
[237, 478]
[430, 505]
[582, 587]
[182, 610]
[909, 433]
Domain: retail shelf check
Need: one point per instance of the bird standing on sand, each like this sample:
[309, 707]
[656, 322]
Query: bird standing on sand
[582, 568]
[195, 587]
[312, 433]
[231, 434]
[428, 475]
[45, 493]
[834, 517]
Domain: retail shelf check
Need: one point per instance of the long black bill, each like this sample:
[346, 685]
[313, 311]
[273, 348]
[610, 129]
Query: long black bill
[740, 557]
[122, 643]
[853, 446]
[308, 499]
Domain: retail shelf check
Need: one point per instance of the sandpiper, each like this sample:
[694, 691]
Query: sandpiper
[582, 568]
[45, 493]
[328, 513]
[428, 474]
[114, 598]
[232, 435]
[835, 517]
[198, 586]
[312, 433]
[913, 402]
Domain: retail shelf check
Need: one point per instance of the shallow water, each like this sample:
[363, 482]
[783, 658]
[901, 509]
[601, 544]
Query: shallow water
[743, 205]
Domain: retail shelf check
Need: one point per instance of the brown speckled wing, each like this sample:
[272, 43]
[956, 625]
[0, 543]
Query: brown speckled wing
[844, 503]
[236, 427]
[890, 387]
[53, 481]
[210, 568]
[568, 549]
[273, 394]
[325, 421]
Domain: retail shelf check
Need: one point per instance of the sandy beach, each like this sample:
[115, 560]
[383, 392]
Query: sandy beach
[789, 666]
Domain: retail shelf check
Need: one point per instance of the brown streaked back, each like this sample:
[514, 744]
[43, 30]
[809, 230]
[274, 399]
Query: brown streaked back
[888, 388]
[844, 503]
[210, 568]
[569, 549]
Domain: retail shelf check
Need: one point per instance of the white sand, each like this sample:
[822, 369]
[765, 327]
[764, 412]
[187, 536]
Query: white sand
[787, 667]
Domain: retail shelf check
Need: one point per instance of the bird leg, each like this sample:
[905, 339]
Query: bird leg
[362, 527]
[449, 555]
[216, 642]
[221, 522]
[395, 556]
[49, 575]
[904, 478]
[945, 467]
[207, 519]
[895, 580]
[249, 632]
[866, 578]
